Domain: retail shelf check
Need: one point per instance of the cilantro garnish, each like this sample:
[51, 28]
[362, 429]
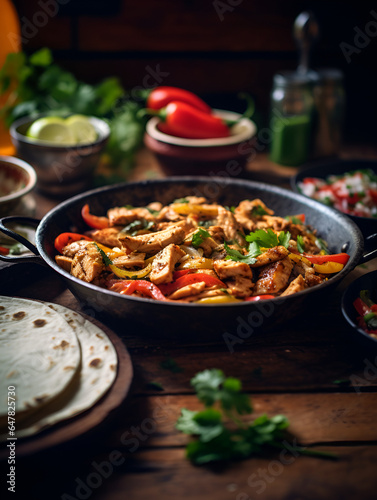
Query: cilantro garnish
[294, 219]
[199, 237]
[237, 256]
[133, 227]
[258, 210]
[300, 244]
[230, 209]
[153, 212]
[268, 239]
[181, 200]
[107, 261]
[215, 439]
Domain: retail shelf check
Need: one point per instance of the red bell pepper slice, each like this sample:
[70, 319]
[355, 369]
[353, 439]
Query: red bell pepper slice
[341, 258]
[128, 287]
[259, 297]
[361, 307]
[92, 220]
[189, 279]
[65, 239]
[4, 251]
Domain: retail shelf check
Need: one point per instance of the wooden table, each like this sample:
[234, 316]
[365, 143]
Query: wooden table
[310, 369]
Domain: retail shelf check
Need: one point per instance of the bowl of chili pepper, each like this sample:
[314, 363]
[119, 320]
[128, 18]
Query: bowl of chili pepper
[359, 307]
[190, 138]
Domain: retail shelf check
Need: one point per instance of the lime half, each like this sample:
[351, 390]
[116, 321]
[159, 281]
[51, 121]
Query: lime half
[82, 129]
[51, 129]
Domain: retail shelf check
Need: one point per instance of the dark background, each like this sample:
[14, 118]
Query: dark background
[215, 55]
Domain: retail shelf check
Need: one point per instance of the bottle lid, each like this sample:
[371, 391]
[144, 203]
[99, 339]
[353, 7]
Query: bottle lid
[295, 79]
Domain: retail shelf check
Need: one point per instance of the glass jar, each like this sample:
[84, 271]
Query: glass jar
[291, 117]
[329, 100]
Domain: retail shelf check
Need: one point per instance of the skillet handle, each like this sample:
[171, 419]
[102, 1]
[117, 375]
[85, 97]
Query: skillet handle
[370, 249]
[23, 258]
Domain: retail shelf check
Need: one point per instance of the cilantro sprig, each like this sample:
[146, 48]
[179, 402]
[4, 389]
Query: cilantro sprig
[199, 236]
[237, 256]
[300, 244]
[217, 439]
[268, 239]
[107, 261]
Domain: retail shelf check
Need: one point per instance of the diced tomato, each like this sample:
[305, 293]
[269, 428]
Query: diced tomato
[65, 239]
[361, 307]
[373, 194]
[256, 298]
[4, 251]
[189, 279]
[301, 217]
[92, 220]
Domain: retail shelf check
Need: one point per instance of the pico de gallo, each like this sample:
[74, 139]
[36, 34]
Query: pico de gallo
[367, 311]
[353, 193]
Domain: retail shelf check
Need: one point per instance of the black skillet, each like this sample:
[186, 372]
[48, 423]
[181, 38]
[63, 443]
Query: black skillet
[233, 321]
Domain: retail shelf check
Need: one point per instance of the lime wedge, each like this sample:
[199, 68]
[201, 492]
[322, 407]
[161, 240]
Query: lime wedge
[82, 129]
[51, 129]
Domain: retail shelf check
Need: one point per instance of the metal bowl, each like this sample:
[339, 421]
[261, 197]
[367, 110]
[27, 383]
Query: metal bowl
[61, 170]
[322, 170]
[17, 178]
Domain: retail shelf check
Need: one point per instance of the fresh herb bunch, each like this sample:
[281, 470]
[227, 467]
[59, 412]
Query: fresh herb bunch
[36, 85]
[219, 438]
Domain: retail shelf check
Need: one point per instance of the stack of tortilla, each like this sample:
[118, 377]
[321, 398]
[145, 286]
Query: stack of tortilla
[58, 363]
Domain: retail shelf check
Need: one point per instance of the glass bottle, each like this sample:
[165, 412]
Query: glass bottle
[329, 100]
[291, 117]
[10, 41]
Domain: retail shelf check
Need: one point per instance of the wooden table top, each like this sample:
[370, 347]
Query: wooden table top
[310, 369]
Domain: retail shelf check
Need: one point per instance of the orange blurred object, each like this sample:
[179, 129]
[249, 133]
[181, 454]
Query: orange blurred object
[10, 41]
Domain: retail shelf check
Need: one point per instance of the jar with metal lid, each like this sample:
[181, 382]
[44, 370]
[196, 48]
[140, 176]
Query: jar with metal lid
[329, 100]
[291, 117]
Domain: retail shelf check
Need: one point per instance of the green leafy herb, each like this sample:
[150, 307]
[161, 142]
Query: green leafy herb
[199, 237]
[107, 261]
[133, 227]
[258, 210]
[219, 432]
[268, 239]
[205, 223]
[294, 219]
[237, 256]
[153, 212]
[172, 365]
[230, 209]
[181, 200]
[300, 244]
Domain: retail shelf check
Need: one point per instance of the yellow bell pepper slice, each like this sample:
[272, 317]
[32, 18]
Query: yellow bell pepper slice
[299, 258]
[218, 299]
[187, 208]
[200, 263]
[122, 273]
[328, 267]
[112, 254]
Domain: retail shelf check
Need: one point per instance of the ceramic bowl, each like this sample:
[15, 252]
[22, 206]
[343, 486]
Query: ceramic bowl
[17, 178]
[220, 156]
[321, 170]
[61, 170]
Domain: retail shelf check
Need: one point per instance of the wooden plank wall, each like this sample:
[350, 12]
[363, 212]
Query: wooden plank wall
[213, 47]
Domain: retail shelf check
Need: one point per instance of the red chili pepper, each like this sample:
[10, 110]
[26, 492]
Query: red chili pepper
[128, 287]
[189, 279]
[259, 297]
[341, 258]
[92, 220]
[65, 239]
[4, 251]
[160, 97]
[182, 120]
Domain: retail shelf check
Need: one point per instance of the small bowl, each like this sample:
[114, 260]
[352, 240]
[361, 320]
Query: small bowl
[180, 156]
[61, 170]
[321, 170]
[365, 282]
[17, 178]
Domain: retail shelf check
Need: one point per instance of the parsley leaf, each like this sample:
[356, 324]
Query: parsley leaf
[300, 244]
[199, 237]
[237, 256]
[268, 239]
[107, 261]
[215, 440]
